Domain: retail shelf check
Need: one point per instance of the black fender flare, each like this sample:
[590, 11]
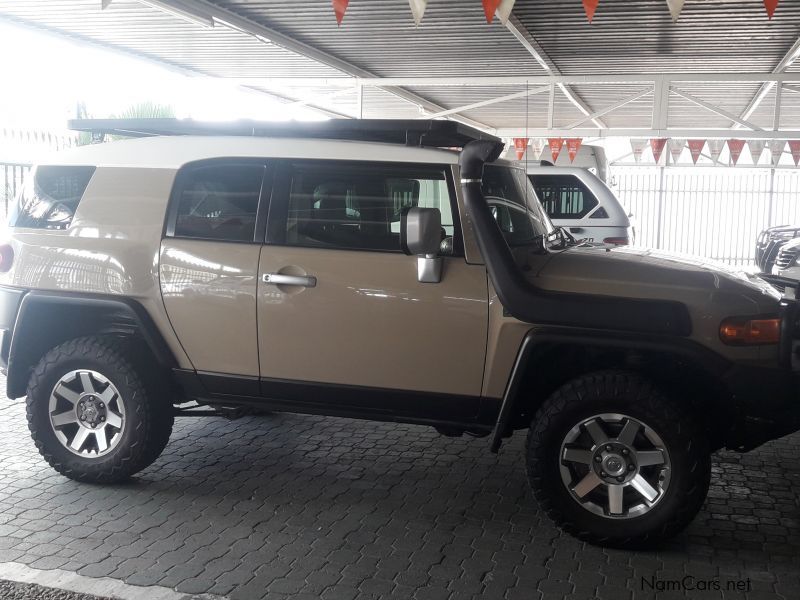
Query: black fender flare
[46, 319]
[708, 360]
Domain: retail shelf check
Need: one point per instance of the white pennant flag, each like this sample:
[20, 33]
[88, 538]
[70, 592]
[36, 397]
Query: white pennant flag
[504, 10]
[756, 149]
[776, 148]
[715, 148]
[675, 8]
[676, 146]
[638, 146]
[537, 147]
[418, 9]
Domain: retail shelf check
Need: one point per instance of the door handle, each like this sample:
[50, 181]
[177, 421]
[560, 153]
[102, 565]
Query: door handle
[575, 229]
[279, 279]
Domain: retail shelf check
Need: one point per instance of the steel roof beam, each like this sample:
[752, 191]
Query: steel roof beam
[483, 103]
[787, 60]
[265, 34]
[714, 109]
[490, 81]
[611, 108]
[519, 31]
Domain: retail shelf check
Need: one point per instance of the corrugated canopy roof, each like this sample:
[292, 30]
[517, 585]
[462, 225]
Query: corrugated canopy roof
[295, 50]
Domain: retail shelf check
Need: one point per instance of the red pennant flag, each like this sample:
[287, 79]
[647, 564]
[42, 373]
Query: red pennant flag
[794, 147]
[573, 145]
[339, 8]
[520, 145]
[489, 8]
[657, 146]
[771, 5]
[696, 148]
[590, 6]
[555, 147]
[735, 147]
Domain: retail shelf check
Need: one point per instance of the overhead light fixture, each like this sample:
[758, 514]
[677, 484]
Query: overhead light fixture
[181, 13]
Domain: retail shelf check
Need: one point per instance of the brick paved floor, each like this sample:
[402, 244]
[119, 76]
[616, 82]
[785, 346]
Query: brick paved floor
[303, 507]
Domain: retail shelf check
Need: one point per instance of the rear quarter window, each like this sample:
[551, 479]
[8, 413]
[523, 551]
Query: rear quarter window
[563, 196]
[50, 197]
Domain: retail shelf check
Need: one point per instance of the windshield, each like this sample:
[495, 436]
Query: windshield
[514, 205]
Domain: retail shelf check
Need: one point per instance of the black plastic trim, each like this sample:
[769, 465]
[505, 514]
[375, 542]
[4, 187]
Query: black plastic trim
[379, 404]
[85, 314]
[705, 358]
[531, 304]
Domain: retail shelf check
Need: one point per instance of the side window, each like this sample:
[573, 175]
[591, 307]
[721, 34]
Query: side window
[563, 196]
[50, 197]
[357, 206]
[218, 201]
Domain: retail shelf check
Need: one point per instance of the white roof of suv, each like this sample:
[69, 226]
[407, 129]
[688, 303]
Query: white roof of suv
[172, 152]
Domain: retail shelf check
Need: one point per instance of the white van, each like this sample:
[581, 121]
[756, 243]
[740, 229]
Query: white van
[581, 203]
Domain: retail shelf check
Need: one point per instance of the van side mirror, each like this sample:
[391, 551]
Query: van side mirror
[421, 235]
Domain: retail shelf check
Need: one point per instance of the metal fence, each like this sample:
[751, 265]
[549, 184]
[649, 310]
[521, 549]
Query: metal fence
[11, 177]
[714, 213]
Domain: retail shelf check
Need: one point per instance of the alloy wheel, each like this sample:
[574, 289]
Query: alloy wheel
[87, 413]
[615, 466]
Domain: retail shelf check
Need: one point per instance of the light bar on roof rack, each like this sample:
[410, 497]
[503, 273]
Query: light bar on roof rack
[416, 132]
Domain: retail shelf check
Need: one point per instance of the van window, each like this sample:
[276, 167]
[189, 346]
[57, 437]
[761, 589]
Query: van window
[358, 206]
[564, 196]
[219, 202]
[50, 197]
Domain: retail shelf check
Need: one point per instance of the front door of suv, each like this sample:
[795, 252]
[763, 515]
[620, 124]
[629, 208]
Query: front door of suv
[346, 322]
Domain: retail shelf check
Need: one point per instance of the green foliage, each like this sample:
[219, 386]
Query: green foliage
[142, 110]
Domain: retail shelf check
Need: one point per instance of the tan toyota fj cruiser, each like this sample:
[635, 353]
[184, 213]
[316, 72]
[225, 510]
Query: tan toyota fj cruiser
[355, 268]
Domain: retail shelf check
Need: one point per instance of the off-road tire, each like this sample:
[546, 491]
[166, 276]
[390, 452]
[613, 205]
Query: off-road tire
[635, 396]
[149, 415]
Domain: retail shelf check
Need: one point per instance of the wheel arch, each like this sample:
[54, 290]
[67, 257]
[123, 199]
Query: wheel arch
[549, 357]
[47, 319]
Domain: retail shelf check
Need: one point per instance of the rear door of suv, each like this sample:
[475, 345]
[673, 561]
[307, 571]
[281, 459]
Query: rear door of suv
[208, 267]
[346, 323]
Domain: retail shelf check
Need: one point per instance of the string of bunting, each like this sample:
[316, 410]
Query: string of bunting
[503, 8]
[715, 148]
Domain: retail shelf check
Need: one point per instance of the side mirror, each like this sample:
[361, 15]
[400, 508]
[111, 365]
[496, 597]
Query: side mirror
[421, 235]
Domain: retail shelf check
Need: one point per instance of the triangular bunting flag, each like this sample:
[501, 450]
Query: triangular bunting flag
[555, 147]
[696, 148]
[657, 146]
[776, 149]
[756, 149]
[637, 146]
[675, 8]
[590, 6]
[504, 10]
[417, 9]
[339, 8]
[676, 148]
[520, 145]
[794, 147]
[489, 8]
[715, 148]
[735, 147]
[771, 5]
[537, 146]
[573, 145]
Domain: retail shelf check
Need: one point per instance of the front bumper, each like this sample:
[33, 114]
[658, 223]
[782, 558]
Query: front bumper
[767, 398]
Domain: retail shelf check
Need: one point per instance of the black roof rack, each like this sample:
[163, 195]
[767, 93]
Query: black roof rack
[417, 132]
